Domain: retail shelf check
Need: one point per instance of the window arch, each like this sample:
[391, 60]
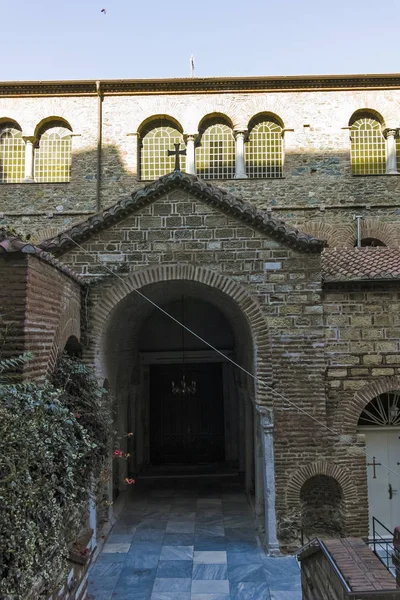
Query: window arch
[156, 138]
[12, 153]
[53, 153]
[215, 152]
[264, 156]
[368, 145]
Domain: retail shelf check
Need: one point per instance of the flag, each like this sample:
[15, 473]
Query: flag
[192, 65]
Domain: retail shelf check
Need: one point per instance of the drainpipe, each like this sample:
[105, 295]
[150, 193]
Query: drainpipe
[358, 219]
[99, 144]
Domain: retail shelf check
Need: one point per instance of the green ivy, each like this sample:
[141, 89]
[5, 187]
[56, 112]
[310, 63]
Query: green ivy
[53, 442]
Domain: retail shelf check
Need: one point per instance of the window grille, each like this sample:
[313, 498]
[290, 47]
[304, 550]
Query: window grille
[398, 153]
[154, 159]
[215, 154]
[53, 156]
[12, 156]
[264, 155]
[383, 411]
[368, 147]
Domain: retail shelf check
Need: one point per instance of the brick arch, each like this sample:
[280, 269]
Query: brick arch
[156, 274]
[384, 232]
[373, 102]
[69, 327]
[339, 474]
[364, 396]
[336, 237]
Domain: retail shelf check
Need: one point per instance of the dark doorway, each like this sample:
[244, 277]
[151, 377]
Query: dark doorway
[189, 428]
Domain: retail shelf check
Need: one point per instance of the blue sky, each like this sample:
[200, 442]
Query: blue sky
[49, 39]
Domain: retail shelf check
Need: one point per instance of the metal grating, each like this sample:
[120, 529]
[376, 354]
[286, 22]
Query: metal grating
[53, 156]
[215, 154]
[12, 156]
[264, 156]
[154, 159]
[368, 147]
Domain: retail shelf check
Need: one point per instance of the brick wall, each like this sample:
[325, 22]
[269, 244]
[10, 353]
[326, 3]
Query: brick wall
[43, 305]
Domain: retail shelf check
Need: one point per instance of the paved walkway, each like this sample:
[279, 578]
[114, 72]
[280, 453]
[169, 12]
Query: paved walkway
[189, 539]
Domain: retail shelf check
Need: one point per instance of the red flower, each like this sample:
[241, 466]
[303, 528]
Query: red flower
[78, 415]
[129, 481]
[117, 453]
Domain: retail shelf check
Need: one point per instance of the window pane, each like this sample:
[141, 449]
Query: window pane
[154, 159]
[264, 150]
[12, 156]
[368, 148]
[215, 155]
[53, 156]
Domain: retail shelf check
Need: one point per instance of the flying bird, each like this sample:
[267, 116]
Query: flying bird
[103, 10]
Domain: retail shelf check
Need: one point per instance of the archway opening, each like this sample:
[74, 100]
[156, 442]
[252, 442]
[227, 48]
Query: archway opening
[207, 429]
[322, 511]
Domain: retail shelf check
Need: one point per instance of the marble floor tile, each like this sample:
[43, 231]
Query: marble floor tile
[180, 526]
[209, 571]
[189, 540]
[117, 547]
[176, 553]
[175, 568]
[210, 557]
[210, 597]
[250, 591]
[251, 572]
[210, 586]
[179, 539]
[170, 596]
[171, 584]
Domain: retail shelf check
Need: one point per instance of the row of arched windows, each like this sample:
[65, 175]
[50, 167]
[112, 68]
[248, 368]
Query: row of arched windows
[215, 148]
[45, 159]
[213, 153]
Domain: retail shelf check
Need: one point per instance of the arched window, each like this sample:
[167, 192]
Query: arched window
[12, 153]
[53, 152]
[368, 146]
[156, 139]
[383, 411]
[264, 157]
[215, 152]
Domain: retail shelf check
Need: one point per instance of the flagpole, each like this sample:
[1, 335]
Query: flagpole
[192, 65]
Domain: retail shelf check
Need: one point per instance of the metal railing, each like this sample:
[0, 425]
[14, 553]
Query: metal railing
[382, 544]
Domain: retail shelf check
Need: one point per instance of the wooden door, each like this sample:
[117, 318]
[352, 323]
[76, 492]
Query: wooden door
[186, 429]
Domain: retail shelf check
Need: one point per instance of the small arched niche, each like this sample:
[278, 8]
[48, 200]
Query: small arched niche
[73, 347]
[321, 500]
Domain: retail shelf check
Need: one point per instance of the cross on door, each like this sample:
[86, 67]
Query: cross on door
[374, 464]
[177, 153]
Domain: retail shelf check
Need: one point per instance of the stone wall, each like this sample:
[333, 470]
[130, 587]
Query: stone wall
[42, 307]
[317, 191]
[177, 231]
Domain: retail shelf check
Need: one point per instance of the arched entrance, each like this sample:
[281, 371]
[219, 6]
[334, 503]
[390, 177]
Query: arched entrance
[137, 349]
[148, 357]
[380, 423]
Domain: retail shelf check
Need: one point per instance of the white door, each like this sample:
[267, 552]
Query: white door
[383, 450]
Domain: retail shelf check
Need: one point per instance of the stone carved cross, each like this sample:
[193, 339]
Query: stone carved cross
[374, 464]
[177, 153]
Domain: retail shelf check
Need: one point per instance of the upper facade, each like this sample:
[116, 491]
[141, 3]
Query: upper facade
[316, 150]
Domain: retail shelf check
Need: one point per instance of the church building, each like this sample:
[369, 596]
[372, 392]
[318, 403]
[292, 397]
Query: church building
[263, 215]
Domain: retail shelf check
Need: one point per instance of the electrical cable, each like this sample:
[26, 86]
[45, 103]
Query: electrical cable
[227, 358]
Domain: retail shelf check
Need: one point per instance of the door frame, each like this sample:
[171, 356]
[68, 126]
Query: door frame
[142, 412]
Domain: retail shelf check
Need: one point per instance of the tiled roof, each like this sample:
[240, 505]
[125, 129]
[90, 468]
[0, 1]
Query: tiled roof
[359, 570]
[360, 264]
[210, 194]
[12, 245]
